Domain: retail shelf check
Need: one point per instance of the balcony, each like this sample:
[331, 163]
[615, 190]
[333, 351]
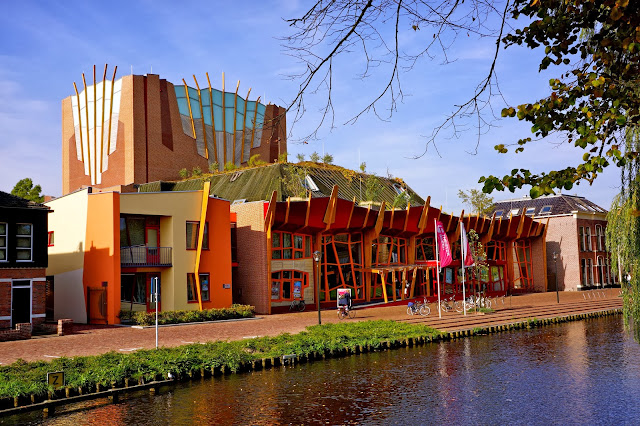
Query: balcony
[139, 256]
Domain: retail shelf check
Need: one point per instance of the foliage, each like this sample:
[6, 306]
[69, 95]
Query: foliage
[480, 266]
[327, 158]
[401, 201]
[623, 236]
[178, 317]
[283, 158]
[294, 179]
[363, 167]
[184, 173]
[197, 171]
[213, 167]
[314, 157]
[596, 96]
[255, 161]
[300, 157]
[478, 201]
[373, 188]
[25, 378]
[25, 189]
[230, 165]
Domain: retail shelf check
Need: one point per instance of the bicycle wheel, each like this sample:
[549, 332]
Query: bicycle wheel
[340, 314]
[488, 304]
[301, 306]
[425, 310]
[352, 313]
[458, 306]
[409, 310]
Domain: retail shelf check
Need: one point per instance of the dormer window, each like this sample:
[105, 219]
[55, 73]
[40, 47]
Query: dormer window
[310, 184]
[530, 211]
[514, 211]
[499, 213]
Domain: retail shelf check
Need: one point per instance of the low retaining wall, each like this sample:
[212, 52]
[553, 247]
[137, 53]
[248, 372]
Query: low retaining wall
[65, 396]
[21, 332]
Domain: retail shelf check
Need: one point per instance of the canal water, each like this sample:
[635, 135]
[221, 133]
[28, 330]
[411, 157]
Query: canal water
[584, 372]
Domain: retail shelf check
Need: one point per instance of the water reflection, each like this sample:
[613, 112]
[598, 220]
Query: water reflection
[578, 373]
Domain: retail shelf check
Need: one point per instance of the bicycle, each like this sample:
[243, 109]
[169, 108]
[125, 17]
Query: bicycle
[417, 307]
[345, 311]
[297, 304]
[447, 305]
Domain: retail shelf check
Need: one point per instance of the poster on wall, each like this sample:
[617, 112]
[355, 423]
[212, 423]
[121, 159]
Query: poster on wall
[297, 289]
[275, 290]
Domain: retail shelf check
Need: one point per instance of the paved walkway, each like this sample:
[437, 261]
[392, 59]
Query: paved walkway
[88, 340]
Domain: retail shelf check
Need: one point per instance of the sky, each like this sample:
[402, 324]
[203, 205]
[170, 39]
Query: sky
[47, 45]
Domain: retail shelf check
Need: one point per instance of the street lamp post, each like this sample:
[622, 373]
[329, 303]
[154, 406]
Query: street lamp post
[555, 261]
[316, 257]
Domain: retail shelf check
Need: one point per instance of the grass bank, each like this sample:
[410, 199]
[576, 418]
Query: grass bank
[26, 382]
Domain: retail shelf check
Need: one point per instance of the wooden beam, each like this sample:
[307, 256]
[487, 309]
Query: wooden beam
[204, 129]
[456, 235]
[269, 216]
[384, 287]
[203, 220]
[113, 83]
[255, 117]
[286, 215]
[530, 226]
[330, 212]
[520, 225]
[406, 219]
[95, 126]
[213, 123]
[489, 233]
[86, 113]
[80, 123]
[413, 283]
[224, 126]
[366, 216]
[244, 125]
[380, 219]
[186, 91]
[104, 95]
[422, 223]
[449, 223]
[306, 217]
[353, 207]
[235, 118]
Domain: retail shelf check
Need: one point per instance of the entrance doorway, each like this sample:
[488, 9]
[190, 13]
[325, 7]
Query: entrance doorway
[20, 302]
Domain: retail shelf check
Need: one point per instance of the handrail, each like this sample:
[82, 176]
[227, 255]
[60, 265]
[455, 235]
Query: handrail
[145, 256]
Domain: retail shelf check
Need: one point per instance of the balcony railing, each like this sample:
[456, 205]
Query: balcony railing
[145, 256]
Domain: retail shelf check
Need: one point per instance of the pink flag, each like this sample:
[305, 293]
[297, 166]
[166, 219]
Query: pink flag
[444, 249]
[466, 253]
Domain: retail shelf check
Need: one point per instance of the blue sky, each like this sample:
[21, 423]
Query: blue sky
[47, 45]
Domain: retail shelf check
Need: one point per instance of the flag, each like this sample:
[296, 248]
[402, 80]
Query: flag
[466, 252]
[444, 249]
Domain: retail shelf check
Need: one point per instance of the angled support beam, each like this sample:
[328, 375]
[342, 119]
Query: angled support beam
[253, 124]
[456, 235]
[104, 93]
[422, 223]
[235, 118]
[244, 125]
[520, 225]
[330, 213]
[353, 207]
[286, 215]
[80, 123]
[224, 124]
[489, 233]
[384, 286]
[213, 123]
[113, 84]
[186, 92]
[204, 129]
[306, 217]
[379, 220]
[86, 113]
[95, 126]
[203, 221]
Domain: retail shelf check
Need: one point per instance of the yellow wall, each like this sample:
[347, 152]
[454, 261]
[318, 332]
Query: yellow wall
[66, 257]
[175, 209]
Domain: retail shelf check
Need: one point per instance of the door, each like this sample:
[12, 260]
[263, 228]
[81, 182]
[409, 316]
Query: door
[97, 305]
[151, 305]
[152, 240]
[20, 304]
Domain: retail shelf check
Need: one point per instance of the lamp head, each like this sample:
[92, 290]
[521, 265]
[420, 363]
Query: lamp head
[555, 256]
[317, 256]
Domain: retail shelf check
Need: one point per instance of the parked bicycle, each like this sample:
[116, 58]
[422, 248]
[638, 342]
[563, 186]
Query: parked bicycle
[447, 305]
[418, 307]
[297, 304]
[345, 311]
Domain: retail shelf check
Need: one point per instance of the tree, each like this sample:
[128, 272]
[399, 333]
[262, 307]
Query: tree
[25, 189]
[478, 201]
[592, 101]
[314, 157]
[327, 159]
[300, 157]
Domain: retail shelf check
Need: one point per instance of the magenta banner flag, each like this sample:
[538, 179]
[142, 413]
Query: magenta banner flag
[468, 259]
[444, 249]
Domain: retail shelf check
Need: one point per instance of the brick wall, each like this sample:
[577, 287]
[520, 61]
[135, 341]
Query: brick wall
[38, 301]
[562, 238]
[539, 264]
[252, 286]
[5, 303]
[21, 332]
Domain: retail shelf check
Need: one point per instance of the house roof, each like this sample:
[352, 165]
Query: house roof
[12, 201]
[550, 205]
[258, 183]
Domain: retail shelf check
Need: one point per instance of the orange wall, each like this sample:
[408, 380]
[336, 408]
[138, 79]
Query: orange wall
[102, 253]
[217, 260]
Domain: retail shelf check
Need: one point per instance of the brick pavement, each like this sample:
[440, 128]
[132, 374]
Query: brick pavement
[88, 340]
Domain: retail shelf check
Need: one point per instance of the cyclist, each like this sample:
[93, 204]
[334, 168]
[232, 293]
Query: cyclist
[344, 301]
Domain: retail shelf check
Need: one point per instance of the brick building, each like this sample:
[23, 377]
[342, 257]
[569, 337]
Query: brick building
[23, 259]
[576, 234]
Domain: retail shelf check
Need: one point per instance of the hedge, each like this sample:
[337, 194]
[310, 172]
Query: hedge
[179, 317]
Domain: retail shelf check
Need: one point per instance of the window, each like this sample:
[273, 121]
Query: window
[133, 288]
[24, 232]
[581, 237]
[192, 235]
[285, 245]
[388, 250]
[600, 238]
[523, 266]
[50, 243]
[530, 211]
[192, 290]
[514, 211]
[3, 242]
[425, 249]
[288, 285]
[545, 210]
[588, 237]
[496, 251]
[310, 184]
[590, 270]
[499, 213]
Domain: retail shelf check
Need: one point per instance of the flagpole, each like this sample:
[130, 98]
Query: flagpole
[435, 231]
[462, 259]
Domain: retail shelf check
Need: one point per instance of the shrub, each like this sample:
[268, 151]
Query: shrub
[178, 317]
[184, 173]
[197, 171]
[230, 165]
[213, 167]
